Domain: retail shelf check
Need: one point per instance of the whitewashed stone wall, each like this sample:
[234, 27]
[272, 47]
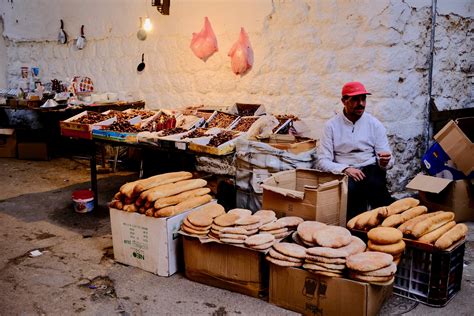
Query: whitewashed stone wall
[304, 52]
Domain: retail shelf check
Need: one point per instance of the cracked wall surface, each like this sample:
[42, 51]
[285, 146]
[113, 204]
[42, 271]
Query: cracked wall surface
[304, 52]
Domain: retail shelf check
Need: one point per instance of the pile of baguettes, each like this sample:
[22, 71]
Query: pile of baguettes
[162, 195]
[239, 226]
[414, 221]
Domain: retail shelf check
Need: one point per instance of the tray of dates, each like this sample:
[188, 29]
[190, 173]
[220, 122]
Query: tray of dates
[222, 143]
[221, 120]
[82, 124]
[122, 130]
[244, 123]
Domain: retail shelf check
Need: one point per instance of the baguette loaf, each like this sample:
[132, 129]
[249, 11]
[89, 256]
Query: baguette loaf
[130, 208]
[176, 199]
[127, 188]
[351, 223]
[397, 219]
[431, 237]
[183, 206]
[400, 206]
[150, 212]
[430, 224]
[161, 179]
[450, 237]
[175, 188]
[368, 219]
[406, 227]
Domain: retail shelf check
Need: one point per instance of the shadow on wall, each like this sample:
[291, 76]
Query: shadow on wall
[3, 57]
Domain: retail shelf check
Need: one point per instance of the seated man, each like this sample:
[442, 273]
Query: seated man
[355, 143]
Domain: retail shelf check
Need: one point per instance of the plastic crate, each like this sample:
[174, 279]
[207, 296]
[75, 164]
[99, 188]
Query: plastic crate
[428, 275]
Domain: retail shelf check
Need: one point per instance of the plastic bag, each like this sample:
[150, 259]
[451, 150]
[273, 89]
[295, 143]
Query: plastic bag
[241, 54]
[204, 43]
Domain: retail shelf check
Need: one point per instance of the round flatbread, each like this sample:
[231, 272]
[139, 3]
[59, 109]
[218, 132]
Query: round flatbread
[393, 249]
[232, 241]
[232, 236]
[212, 210]
[355, 246]
[277, 231]
[273, 226]
[384, 272]
[201, 219]
[307, 229]
[370, 279]
[190, 225]
[315, 259]
[275, 254]
[326, 252]
[332, 237]
[240, 211]
[317, 267]
[264, 213]
[291, 250]
[297, 239]
[281, 235]
[252, 231]
[385, 235]
[251, 227]
[264, 220]
[213, 235]
[368, 261]
[247, 220]
[282, 262]
[259, 239]
[217, 227]
[263, 246]
[331, 266]
[226, 220]
[290, 221]
[189, 230]
[234, 230]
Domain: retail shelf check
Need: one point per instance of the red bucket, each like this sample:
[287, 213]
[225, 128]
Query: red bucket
[83, 201]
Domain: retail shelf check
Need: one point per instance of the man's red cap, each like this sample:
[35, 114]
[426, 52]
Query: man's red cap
[353, 88]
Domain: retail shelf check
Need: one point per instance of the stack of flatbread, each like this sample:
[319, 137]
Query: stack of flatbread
[286, 254]
[329, 259]
[162, 195]
[305, 232]
[372, 267]
[281, 227]
[199, 222]
[261, 241]
[387, 240]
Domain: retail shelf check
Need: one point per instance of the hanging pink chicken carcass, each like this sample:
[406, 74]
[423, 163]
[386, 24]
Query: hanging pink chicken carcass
[204, 43]
[241, 54]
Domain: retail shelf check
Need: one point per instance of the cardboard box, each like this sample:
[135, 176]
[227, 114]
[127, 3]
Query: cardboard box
[310, 294]
[445, 194]
[456, 140]
[151, 244]
[307, 193]
[290, 143]
[33, 151]
[7, 143]
[225, 266]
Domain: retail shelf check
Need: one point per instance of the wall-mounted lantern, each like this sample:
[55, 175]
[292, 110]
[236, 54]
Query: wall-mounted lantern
[163, 6]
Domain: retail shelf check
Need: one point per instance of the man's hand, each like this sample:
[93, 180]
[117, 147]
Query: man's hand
[384, 158]
[354, 173]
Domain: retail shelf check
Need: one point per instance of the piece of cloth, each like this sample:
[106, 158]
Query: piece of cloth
[372, 191]
[345, 144]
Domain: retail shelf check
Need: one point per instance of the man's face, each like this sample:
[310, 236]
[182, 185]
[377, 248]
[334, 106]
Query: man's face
[355, 105]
